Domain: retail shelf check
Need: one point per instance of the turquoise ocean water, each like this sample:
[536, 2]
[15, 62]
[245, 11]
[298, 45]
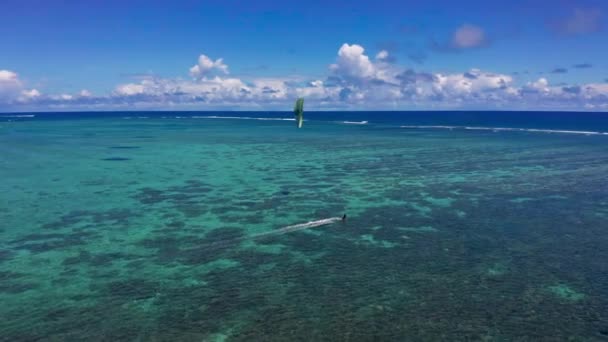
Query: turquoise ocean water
[180, 227]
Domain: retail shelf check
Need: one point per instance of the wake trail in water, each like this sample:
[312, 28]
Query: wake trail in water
[280, 231]
[296, 227]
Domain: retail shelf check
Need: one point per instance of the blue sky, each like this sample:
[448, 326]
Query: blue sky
[79, 55]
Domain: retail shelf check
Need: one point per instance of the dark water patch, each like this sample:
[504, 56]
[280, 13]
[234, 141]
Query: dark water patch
[69, 272]
[187, 195]
[136, 265]
[180, 315]
[191, 210]
[193, 250]
[215, 245]
[82, 257]
[16, 287]
[94, 182]
[224, 209]
[6, 255]
[203, 254]
[113, 216]
[223, 234]
[10, 276]
[67, 220]
[168, 249]
[81, 297]
[249, 219]
[61, 241]
[251, 258]
[176, 224]
[252, 219]
[131, 289]
[97, 259]
[302, 242]
[245, 203]
[115, 159]
[124, 147]
[39, 237]
[11, 283]
[192, 186]
[150, 196]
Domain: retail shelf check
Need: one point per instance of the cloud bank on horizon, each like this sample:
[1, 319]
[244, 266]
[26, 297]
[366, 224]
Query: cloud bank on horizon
[355, 79]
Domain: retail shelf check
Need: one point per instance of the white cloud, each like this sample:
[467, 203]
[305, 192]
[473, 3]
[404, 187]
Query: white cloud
[353, 63]
[353, 81]
[10, 85]
[7, 76]
[130, 89]
[85, 93]
[539, 86]
[316, 83]
[468, 36]
[382, 55]
[27, 95]
[474, 81]
[206, 66]
[12, 89]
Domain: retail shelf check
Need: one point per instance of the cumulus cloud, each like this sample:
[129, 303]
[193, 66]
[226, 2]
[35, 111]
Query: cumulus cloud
[580, 21]
[28, 95]
[207, 66]
[355, 68]
[539, 86]
[12, 89]
[10, 85]
[85, 93]
[354, 80]
[353, 63]
[130, 89]
[468, 36]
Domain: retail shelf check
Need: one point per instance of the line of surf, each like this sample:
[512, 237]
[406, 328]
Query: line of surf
[18, 116]
[240, 118]
[355, 122]
[506, 129]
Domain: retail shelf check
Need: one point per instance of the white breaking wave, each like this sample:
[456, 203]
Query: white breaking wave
[18, 116]
[510, 129]
[355, 122]
[240, 118]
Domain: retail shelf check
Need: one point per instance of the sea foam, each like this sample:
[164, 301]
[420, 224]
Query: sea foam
[508, 129]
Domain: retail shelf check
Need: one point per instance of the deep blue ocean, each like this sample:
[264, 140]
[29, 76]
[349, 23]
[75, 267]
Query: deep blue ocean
[578, 121]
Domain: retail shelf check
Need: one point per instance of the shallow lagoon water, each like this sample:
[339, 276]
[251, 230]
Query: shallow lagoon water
[152, 228]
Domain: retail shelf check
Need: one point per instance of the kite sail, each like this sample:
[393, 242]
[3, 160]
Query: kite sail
[298, 110]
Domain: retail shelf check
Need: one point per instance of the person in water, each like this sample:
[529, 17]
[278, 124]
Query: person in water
[344, 217]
